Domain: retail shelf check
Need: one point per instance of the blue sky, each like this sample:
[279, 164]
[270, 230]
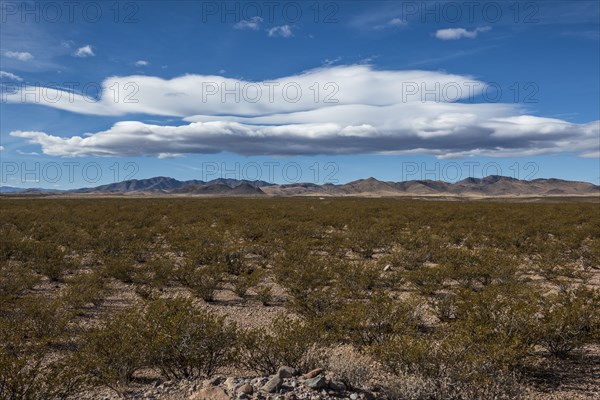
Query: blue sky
[94, 92]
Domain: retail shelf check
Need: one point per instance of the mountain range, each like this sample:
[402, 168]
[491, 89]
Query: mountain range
[490, 186]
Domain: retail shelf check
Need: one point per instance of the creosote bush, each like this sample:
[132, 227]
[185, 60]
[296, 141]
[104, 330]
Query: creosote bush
[285, 343]
[570, 320]
[169, 335]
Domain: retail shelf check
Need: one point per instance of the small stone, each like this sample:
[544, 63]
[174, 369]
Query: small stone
[273, 385]
[387, 268]
[354, 396]
[246, 388]
[313, 373]
[337, 386]
[230, 384]
[317, 382]
[210, 393]
[286, 372]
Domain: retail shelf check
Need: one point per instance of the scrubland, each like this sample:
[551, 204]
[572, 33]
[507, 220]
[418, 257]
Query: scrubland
[405, 299]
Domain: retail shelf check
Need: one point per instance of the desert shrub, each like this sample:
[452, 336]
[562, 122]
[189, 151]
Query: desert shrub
[208, 248]
[427, 279]
[203, 281]
[50, 261]
[444, 306]
[185, 342]
[498, 323]
[356, 278]
[207, 280]
[479, 353]
[404, 386]
[111, 354]
[12, 241]
[453, 367]
[366, 241]
[569, 320]
[152, 277]
[246, 280]
[119, 267]
[309, 282]
[84, 289]
[28, 372]
[15, 280]
[285, 343]
[234, 260]
[139, 251]
[349, 366]
[376, 320]
[473, 269]
[45, 320]
[264, 294]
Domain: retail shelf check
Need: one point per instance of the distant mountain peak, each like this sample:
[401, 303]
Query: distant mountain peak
[489, 186]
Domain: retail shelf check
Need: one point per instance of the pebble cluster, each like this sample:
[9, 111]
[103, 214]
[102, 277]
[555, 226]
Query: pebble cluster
[286, 384]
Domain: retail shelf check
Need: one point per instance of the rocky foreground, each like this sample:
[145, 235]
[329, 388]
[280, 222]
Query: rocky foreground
[287, 384]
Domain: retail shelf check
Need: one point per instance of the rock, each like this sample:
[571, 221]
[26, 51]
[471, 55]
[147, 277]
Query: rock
[337, 386]
[354, 396]
[286, 372]
[230, 384]
[273, 385]
[246, 388]
[211, 382]
[210, 393]
[317, 382]
[313, 373]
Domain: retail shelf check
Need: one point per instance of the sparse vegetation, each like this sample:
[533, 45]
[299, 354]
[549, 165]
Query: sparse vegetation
[451, 300]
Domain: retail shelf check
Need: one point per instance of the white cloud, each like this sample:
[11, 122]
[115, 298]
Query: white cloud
[284, 31]
[24, 153]
[85, 51]
[371, 111]
[2, 148]
[19, 55]
[8, 75]
[252, 24]
[141, 63]
[458, 33]
[331, 61]
[397, 22]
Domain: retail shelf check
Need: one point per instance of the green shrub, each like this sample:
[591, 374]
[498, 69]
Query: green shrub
[50, 261]
[285, 343]
[29, 372]
[375, 321]
[185, 342]
[111, 354]
[203, 281]
[84, 289]
[244, 281]
[15, 280]
[264, 293]
[570, 320]
[119, 267]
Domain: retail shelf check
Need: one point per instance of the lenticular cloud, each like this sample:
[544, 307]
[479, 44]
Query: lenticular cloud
[334, 110]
